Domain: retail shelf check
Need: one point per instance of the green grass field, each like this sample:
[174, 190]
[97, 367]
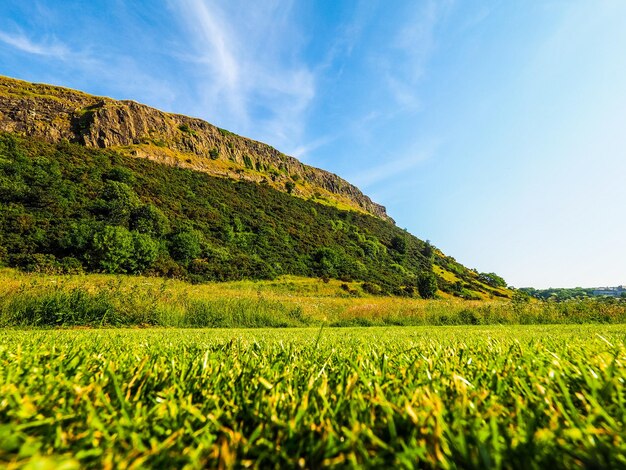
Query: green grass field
[399, 397]
[97, 300]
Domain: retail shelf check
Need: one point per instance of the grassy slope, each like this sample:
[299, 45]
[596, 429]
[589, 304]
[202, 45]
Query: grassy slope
[98, 299]
[55, 199]
[234, 170]
[539, 397]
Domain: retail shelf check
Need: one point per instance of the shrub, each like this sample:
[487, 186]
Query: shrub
[37, 263]
[145, 252]
[185, 246]
[150, 220]
[121, 175]
[399, 244]
[492, 279]
[426, 284]
[371, 288]
[186, 129]
[120, 200]
[113, 249]
[71, 265]
[247, 161]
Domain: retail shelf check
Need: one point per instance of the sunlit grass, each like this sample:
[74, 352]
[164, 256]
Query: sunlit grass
[447, 397]
[109, 300]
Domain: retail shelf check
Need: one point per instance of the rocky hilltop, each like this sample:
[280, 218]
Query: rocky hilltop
[55, 114]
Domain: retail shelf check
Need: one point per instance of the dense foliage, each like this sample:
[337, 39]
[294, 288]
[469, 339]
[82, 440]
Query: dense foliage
[485, 397]
[66, 208]
[562, 294]
[492, 279]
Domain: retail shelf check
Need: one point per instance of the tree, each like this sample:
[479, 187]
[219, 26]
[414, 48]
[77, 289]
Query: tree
[399, 244]
[150, 220]
[426, 284]
[492, 279]
[187, 245]
[326, 261]
[121, 200]
[113, 249]
[121, 175]
[428, 251]
[145, 252]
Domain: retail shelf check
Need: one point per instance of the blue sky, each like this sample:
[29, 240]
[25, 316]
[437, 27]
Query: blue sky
[493, 128]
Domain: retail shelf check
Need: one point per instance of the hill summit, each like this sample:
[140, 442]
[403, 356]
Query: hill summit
[54, 113]
[90, 184]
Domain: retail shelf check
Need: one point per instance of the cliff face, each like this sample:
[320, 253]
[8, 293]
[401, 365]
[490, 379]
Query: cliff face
[54, 114]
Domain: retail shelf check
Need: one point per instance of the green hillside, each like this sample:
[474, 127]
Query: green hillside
[68, 208]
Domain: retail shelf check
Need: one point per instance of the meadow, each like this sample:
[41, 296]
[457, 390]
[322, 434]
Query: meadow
[110, 371]
[397, 397]
[97, 300]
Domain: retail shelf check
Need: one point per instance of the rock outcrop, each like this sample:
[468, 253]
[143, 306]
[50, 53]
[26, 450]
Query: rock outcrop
[54, 113]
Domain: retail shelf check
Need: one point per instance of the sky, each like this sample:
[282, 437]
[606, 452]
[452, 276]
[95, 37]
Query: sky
[492, 128]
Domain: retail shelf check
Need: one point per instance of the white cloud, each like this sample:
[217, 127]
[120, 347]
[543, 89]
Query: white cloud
[301, 151]
[248, 58]
[391, 168]
[409, 52]
[350, 33]
[49, 48]
[86, 67]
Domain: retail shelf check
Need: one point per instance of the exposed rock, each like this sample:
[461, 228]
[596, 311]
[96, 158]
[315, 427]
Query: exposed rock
[54, 113]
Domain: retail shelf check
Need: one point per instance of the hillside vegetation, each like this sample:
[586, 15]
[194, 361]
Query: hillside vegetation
[53, 113]
[68, 208]
[107, 300]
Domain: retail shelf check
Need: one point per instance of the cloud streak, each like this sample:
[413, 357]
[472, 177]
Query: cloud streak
[101, 68]
[393, 167]
[249, 71]
[50, 48]
[410, 51]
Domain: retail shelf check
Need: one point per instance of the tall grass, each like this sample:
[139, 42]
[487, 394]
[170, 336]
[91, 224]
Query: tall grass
[94, 300]
[485, 313]
[78, 307]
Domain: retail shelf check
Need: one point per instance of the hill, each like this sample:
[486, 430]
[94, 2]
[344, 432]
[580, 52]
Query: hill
[84, 189]
[54, 114]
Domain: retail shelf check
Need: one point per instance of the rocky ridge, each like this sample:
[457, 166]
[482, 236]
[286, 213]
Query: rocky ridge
[55, 114]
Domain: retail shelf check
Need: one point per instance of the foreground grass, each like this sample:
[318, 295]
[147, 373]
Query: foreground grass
[107, 300]
[525, 397]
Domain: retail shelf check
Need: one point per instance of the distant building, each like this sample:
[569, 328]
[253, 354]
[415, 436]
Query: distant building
[610, 291]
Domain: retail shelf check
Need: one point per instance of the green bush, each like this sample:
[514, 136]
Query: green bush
[371, 288]
[150, 220]
[113, 249]
[119, 202]
[426, 285]
[492, 279]
[186, 245]
[145, 252]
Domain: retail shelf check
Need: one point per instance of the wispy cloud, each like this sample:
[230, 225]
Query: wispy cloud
[410, 51]
[394, 166]
[350, 33]
[89, 66]
[49, 47]
[301, 151]
[248, 59]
